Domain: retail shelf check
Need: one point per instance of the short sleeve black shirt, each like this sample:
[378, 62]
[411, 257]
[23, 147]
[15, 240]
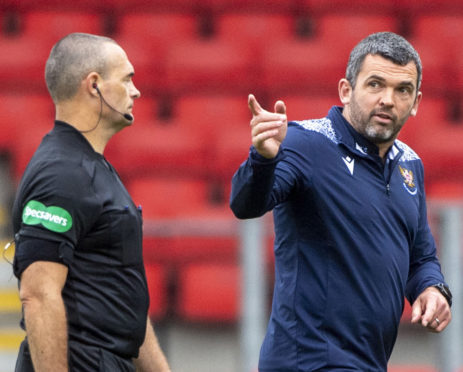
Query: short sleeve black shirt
[71, 207]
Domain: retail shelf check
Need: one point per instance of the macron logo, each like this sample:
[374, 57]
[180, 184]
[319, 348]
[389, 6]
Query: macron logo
[350, 164]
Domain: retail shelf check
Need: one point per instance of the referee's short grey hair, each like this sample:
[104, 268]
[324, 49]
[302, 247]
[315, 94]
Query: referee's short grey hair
[71, 60]
[387, 45]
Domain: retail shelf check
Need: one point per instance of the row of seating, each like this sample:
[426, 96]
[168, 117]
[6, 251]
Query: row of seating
[247, 52]
[312, 6]
[209, 136]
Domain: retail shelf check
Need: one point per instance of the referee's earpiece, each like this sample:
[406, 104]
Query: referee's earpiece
[126, 116]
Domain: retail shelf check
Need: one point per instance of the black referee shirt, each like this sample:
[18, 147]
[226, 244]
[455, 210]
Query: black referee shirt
[71, 207]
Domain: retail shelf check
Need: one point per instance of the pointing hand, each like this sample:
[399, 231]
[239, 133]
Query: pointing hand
[268, 129]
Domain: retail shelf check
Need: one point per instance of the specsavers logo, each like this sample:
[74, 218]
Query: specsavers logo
[52, 218]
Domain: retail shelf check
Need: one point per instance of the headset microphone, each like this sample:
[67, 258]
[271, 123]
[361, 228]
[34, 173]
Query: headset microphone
[126, 115]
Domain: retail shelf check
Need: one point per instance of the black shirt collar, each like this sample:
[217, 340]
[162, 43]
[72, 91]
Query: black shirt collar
[73, 137]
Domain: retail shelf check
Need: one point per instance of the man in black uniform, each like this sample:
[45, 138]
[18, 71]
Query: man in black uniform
[78, 234]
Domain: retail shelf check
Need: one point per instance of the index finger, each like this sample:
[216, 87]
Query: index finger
[429, 313]
[254, 106]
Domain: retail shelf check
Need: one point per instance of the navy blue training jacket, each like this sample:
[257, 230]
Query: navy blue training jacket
[351, 240]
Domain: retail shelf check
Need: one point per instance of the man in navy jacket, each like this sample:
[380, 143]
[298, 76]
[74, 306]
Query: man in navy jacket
[351, 231]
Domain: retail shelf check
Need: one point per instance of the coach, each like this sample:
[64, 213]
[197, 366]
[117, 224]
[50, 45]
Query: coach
[351, 231]
[78, 234]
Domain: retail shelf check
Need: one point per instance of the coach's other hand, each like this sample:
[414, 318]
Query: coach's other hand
[268, 129]
[432, 310]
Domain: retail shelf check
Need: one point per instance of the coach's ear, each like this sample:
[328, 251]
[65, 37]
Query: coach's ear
[345, 91]
[414, 110]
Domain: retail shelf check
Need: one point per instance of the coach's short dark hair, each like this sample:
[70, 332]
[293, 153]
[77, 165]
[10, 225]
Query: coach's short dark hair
[71, 59]
[387, 45]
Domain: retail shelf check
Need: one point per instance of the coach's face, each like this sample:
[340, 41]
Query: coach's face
[384, 97]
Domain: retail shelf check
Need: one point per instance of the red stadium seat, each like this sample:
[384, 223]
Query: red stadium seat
[23, 59]
[431, 110]
[209, 293]
[22, 63]
[146, 37]
[439, 146]
[165, 28]
[407, 313]
[302, 107]
[163, 147]
[445, 190]
[156, 276]
[438, 29]
[354, 28]
[437, 71]
[169, 197]
[231, 149]
[25, 119]
[301, 65]
[53, 25]
[181, 222]
[148, 64]
[17, 113]
[210, 114]
[211, 64]
[256, 30]
[353, 6]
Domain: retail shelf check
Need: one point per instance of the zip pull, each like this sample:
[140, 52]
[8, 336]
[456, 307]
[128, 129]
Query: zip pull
[388, 189]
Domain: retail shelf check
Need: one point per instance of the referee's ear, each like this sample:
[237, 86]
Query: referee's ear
[91, 83]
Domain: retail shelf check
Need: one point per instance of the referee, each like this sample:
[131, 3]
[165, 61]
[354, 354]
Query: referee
[78, 234]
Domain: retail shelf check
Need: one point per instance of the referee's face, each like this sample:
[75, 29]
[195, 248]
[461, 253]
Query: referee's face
[385, 96]
[118, 88]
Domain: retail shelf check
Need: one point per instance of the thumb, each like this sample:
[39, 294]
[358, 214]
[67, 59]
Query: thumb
[254, 106]
[416, 311]
[280, 107]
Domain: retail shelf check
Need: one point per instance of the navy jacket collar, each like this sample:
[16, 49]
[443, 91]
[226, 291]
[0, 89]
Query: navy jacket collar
[354, 141]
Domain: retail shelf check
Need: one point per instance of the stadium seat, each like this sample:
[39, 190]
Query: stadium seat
[431, 110]
[210, 65]
[169, 197]
[398, 7]
[182, 223]
[22, 63]
[231, 149]
[445, 190]
[210, 114]
[437, 71]
[302, 107]
[164, 27]
[17, 112]
[438, 29]
[158, 146]
[25, 119]
[53, 25]
[318, 7]
[209, 293]
[26, 143]
[148, 64]
[407, 313]
[439, 146]
[256, 30]
[303, 66]
[192, 240]
[346, 30]
[147, 37]
[157, 278]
